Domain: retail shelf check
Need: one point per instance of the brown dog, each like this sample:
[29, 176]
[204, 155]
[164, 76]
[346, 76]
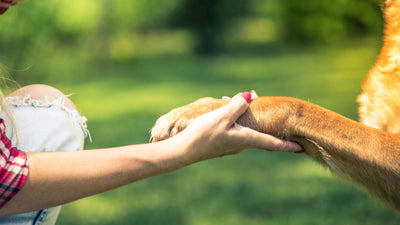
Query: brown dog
[359, 152]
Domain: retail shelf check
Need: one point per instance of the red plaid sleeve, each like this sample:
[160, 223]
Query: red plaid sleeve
[13, 168]
[4, 5]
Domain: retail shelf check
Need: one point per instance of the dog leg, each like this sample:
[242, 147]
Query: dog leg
[366, 156]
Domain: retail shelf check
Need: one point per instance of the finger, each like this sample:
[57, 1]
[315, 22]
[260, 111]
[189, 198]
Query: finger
[226, 98]
[253, 94]
[265, 141]
[237, 106]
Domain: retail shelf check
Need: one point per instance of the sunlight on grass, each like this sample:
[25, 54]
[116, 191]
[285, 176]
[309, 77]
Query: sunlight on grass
[99, 106]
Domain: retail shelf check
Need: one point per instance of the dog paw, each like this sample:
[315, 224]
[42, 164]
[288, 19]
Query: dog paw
[178, 119]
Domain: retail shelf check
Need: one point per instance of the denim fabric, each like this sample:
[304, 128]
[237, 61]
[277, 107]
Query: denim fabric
[42, 126]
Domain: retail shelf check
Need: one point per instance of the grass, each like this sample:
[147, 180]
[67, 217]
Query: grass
[123, 100]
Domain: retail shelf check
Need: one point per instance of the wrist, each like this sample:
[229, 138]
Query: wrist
[295, 116]
[174, 153]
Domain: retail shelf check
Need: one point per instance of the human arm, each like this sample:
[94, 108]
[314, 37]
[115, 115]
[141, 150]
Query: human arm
[59, 177]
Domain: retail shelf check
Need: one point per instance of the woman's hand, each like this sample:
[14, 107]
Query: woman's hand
[217, 134]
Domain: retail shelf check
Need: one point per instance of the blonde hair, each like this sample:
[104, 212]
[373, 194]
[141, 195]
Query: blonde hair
[8, 84]
[6, 109]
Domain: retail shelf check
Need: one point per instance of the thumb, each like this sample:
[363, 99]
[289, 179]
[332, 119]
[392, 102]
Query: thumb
[237, 106]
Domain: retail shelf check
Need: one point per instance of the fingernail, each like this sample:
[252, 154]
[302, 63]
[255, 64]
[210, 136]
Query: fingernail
[247, 96]
[254, 94]
[299, 152]
[226, 98]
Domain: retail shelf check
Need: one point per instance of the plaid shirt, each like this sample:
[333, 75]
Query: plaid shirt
[13, 168]
[4, 5]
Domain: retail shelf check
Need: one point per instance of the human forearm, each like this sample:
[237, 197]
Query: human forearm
[59, 177]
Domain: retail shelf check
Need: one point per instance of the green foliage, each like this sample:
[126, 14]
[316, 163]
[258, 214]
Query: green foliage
[330, 21]
[142, 15]
[208, 19]
[119, 30]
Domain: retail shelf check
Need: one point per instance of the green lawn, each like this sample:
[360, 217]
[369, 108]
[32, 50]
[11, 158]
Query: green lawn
[123, 100]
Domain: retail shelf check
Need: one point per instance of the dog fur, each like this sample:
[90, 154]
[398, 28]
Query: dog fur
[366, 153]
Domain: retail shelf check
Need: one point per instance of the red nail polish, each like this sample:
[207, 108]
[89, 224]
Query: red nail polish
[299, 152]
[247, 96]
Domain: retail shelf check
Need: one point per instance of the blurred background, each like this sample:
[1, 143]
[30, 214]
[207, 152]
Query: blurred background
[129, 62]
